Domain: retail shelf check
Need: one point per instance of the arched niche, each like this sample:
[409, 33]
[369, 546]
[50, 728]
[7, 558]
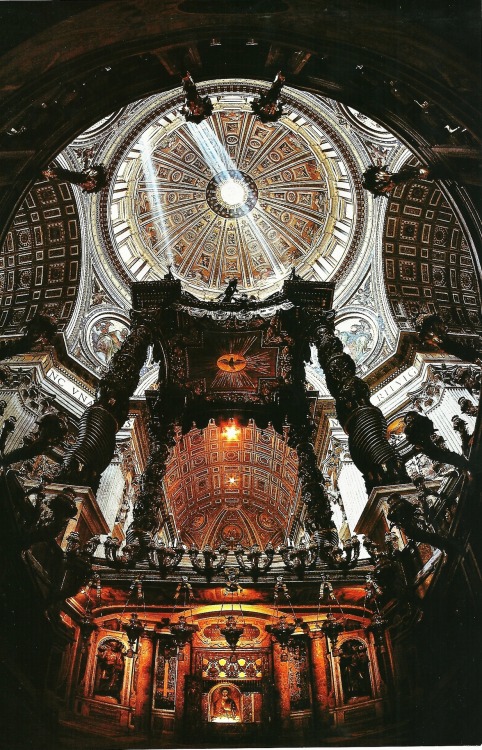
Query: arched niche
[355, 674]
[224, 703]
[110, 669]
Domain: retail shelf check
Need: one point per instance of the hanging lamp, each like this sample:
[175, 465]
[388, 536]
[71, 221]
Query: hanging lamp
[134, 627]
[378, 624]
[234, 626]
[330, 626]
[180, 629]
[283, 629]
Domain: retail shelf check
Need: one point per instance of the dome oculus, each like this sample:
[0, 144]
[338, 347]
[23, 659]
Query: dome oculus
[232, 194]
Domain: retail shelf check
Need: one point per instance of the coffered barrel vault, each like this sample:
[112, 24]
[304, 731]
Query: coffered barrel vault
[427, 261]
[239, 490]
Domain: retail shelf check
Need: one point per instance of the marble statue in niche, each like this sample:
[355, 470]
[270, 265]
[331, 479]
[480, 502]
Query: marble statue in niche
[109, 673]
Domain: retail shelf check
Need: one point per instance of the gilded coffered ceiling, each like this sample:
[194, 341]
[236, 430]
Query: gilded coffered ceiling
[427, 261]
[238, 488]
[40, 261]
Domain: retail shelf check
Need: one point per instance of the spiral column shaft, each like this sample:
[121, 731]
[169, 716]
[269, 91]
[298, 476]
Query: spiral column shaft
[95, 444]
[364, 423]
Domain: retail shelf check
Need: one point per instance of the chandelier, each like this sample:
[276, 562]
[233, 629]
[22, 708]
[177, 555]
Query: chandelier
[378, 624]
[134, 627]
[87, 624]
[234, 626]
[181, 631]
[232, 631]
[282, 629]
[331, 626]
[87, 627]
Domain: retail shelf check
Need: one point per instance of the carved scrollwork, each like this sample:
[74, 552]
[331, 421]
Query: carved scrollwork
[51, 430]
[408, 516]
[466, 438]
[460, 376]
[195, 108]
[39, 333]
[421, 433]
[52, 512]
[267, 105]
[434, 331]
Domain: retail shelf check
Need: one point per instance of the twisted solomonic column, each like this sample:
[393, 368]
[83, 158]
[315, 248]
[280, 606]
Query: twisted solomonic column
[95, 444]
[363, 422]
[149, 504]
[318, 517]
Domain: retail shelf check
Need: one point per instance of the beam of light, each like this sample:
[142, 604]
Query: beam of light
[215, 155]
[278, 269]
[151, 177]
[218, 160]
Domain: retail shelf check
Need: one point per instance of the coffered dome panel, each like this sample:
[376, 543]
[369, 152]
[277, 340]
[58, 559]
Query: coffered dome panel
[230, 197]
[427, 261]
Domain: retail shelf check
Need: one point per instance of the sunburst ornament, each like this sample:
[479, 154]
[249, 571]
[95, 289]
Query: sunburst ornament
[241, 366]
